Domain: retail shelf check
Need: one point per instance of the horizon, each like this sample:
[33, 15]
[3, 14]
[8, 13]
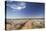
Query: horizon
[22, 17]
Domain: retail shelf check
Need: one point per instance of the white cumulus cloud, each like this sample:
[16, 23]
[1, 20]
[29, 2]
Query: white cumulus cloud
[17, 6]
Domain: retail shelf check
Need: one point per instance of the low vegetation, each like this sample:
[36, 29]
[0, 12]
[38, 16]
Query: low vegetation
[18, 24]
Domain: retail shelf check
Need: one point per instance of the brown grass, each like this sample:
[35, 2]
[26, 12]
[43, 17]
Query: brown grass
[19, 24]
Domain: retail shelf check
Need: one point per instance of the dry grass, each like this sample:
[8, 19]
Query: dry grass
[20, 24]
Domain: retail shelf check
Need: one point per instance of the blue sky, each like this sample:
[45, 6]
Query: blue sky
[24, 9]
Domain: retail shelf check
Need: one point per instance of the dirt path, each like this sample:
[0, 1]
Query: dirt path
[28, 25]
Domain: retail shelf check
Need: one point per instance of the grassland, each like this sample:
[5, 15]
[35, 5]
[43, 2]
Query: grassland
[24, 23]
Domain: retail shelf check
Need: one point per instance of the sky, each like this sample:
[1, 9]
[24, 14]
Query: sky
[19, 9]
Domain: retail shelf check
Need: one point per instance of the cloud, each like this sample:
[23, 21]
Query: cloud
[17, 6]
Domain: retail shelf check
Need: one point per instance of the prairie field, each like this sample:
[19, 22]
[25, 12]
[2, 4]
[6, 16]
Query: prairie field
[24, 23]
